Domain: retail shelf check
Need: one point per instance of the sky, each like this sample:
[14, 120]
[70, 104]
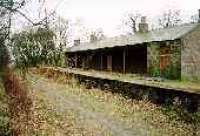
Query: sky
[108, 14]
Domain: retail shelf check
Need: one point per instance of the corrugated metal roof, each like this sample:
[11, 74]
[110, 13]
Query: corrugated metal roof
[138, 38]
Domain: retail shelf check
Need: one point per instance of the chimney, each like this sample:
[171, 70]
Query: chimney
[143, 26]
[93, 38]
[199, 16]
[77, 42]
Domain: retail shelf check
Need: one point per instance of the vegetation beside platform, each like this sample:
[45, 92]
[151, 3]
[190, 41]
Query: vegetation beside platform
[151, 118]
[4, 113]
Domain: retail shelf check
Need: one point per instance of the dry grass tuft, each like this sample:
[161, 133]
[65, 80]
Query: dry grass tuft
[4, 114]
[20, 103]
[162, 119]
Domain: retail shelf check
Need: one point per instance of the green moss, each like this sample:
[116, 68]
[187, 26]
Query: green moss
[154, 71]
[195, 79]
[171, 72]
[154, 60]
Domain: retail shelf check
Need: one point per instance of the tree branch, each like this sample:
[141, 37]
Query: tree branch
[26, 17]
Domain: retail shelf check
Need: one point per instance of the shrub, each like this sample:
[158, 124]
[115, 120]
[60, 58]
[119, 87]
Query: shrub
[4, 117]
[155, 71]
[171, 72]
[4, 125]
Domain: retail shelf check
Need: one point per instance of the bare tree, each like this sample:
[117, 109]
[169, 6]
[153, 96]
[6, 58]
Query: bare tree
[96, 35]
[131, 20]
[7, 9]
[170, 18]
[61, 27]
[194, 18]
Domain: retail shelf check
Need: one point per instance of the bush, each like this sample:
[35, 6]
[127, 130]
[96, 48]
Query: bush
[36, 47]
[4, 117]
[155, 71]
[4, 125]
[171, 72]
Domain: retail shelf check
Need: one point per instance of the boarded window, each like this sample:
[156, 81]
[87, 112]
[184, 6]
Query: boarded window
[165, 58]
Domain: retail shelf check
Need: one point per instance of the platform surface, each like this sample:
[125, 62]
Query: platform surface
[186, 86]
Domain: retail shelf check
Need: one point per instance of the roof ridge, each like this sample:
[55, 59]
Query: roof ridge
[164, 34]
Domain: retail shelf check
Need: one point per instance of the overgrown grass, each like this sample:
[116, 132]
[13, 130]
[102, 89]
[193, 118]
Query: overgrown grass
[157, 120]
[161, 120]
[19, 102]
[4, 114]
[49, 122]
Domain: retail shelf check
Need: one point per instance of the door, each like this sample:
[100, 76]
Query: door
[165, 58]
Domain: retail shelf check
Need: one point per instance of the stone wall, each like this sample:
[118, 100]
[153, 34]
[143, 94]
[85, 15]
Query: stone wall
[167, 97]
[153, 59]
[173, 70]
[190, 55]
[175, 67]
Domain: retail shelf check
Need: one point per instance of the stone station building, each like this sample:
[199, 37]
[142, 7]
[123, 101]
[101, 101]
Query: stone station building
[172, 53]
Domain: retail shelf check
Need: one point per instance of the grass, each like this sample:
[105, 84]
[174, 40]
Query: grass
[153, 119]
[4, 114]
[158, 119]
[19, 103]
[48, 121]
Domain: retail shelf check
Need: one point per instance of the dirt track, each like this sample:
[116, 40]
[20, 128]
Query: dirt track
[85, 115]
[61, 109]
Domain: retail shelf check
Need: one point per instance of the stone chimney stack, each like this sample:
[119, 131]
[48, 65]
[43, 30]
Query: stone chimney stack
[143, 26]
[77, 42]
[93, 38]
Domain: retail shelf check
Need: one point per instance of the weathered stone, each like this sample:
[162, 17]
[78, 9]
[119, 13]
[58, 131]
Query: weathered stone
[190, 55]
[173, 68]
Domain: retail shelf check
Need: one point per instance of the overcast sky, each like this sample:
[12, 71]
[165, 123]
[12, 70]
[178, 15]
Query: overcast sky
[107, 14]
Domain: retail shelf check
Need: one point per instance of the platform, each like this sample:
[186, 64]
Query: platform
[190, 87]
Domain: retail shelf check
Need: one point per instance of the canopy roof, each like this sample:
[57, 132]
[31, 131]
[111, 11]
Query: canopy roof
[166, 34]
